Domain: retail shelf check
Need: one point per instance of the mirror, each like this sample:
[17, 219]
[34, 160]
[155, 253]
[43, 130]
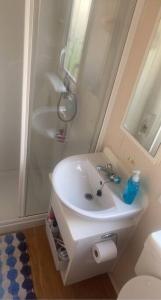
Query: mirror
[143, 119]
[67, 107]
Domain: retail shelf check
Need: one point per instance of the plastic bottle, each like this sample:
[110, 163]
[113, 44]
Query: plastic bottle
[132, 187]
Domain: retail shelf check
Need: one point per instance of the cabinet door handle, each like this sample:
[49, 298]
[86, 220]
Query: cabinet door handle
[109, 236]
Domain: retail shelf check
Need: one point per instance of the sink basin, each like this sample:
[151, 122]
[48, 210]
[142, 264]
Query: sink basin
[75, 181]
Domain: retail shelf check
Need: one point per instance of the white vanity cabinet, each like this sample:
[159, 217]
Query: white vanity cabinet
[79, 235]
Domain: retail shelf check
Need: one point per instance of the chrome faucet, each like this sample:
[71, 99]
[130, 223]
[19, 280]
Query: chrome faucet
[107, 169]
[109, 172]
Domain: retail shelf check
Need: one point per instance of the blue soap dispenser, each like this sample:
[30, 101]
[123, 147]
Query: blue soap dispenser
[132, 187]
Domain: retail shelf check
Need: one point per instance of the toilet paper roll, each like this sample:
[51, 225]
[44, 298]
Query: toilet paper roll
[104, 251]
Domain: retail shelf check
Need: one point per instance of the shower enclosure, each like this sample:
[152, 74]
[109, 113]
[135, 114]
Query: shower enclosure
[11, 64]
[59, 60]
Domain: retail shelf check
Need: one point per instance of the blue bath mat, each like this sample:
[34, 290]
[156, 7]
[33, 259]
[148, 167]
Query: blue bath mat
[15, 272]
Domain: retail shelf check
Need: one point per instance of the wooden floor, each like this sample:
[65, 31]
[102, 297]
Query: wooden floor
[47, 281]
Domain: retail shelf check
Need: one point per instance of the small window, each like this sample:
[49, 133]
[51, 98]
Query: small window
[76, 36]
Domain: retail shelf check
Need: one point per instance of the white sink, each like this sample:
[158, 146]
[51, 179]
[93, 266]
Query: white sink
[75, 178]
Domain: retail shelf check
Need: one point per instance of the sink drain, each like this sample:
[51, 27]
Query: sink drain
[88, 196]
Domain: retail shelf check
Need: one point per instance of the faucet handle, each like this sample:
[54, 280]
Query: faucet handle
[99, 168]
[109, 166]
[115, 178]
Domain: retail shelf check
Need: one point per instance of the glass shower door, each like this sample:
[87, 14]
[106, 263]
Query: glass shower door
[46, 132]
[50, 138]
[11, 57]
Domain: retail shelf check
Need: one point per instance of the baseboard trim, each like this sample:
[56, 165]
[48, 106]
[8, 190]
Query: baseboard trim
[22, 223]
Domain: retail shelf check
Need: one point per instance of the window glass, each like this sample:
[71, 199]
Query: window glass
[76, 36]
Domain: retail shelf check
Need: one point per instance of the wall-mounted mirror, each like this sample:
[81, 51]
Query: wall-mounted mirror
[143, 119]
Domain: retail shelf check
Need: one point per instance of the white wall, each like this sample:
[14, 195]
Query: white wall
[123, 146]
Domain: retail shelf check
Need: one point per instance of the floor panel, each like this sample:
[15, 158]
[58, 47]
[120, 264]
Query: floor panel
[47, 281]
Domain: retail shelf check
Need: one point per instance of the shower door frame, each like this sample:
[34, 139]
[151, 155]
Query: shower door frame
[26, 88]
